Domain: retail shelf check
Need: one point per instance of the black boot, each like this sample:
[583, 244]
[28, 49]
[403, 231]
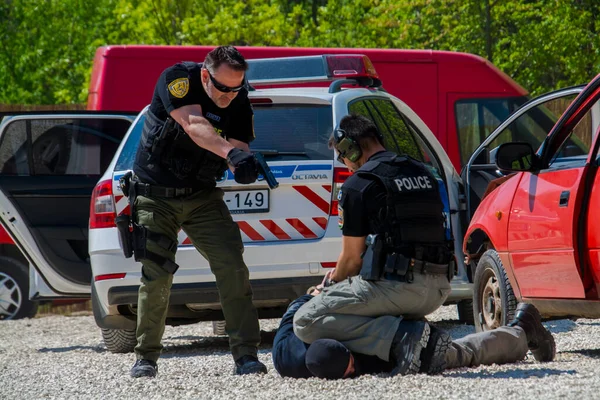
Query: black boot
[433, 357]
[539, 340]
[411, 337]
[146, 368]
[249, 365]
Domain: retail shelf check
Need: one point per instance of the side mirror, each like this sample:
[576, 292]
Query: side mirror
[516, 157]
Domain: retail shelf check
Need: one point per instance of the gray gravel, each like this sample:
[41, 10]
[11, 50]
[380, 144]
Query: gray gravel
[59, 357]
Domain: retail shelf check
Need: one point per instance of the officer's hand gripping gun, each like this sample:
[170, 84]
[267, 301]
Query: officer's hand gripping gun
[263, 168]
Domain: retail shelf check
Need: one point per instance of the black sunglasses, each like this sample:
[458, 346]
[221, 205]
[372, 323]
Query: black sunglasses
[222, 88]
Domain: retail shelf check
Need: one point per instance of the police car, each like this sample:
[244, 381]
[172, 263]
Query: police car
[291, 233]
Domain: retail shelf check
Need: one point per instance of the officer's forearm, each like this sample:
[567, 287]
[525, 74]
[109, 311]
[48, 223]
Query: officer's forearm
[346, 266]
[350, 261]
[204, 135]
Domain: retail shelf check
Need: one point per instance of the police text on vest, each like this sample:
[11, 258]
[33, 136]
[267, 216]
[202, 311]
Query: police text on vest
[413, 183]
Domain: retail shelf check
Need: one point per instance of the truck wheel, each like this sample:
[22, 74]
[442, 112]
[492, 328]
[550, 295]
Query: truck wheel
[494, 301]
[465, 312]
[119, 340]
[14, 290]
[219, 328]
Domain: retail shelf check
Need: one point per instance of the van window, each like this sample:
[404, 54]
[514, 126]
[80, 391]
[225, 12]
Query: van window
[477, 118]
[283, 132]
[399, 134]
[60, 146]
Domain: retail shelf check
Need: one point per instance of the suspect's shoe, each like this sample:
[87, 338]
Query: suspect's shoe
[539, 340]
[249, 365]
[142, 368]
[410, 339]
[433, 357]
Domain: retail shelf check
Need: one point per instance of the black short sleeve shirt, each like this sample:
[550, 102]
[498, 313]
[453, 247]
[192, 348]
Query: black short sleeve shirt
[181, 85]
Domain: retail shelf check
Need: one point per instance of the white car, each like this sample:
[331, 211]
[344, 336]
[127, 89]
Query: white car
[290, 233]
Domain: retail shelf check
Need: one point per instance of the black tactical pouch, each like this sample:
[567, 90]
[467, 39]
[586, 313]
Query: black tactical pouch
[123, 221]
[396, 263]
[372, 267]
[125, 235]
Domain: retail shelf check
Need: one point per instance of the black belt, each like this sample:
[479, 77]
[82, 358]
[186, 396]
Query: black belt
[422, 267]
[144, 189]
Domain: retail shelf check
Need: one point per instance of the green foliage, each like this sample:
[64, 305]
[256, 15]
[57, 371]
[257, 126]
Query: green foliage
[47, 46]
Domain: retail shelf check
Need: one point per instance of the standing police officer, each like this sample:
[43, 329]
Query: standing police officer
[396, 262]
[199, 121]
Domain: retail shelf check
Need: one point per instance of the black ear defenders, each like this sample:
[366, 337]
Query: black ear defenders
[345, 146]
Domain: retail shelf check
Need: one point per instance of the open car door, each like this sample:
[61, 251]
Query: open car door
[49, 165]
[531, 123]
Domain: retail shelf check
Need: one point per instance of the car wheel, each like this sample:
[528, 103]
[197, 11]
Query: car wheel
[14, 290]
[219, 328]
[494, 301]
[465, 312]
[119, 340]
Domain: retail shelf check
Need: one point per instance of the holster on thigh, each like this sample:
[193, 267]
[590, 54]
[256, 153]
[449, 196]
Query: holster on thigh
[141, 235]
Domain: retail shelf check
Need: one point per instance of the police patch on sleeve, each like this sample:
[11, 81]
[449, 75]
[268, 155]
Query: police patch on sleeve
[340, 211]
[179, 87]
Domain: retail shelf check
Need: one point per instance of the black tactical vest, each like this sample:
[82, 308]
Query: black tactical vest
[412, 221]
[167, 156]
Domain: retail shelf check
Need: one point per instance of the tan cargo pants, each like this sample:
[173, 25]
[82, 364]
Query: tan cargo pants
[364, 315]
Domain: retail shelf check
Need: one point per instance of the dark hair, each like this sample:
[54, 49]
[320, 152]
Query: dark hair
[357, 128]
[327, 358]
[228, 55]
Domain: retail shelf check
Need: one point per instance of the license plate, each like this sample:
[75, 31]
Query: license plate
[247, 201]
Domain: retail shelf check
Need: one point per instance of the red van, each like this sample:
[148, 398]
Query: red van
[461, 97]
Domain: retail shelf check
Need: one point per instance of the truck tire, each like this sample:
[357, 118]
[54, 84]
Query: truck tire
[14, 290]
[465, 312]
[494, 301]
[219, 328]
[119, 340]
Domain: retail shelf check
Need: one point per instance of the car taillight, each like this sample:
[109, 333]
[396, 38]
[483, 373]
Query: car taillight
[102, 206]
[339, 177]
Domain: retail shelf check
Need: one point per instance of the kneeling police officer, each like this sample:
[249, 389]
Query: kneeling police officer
[395, 268]
[199, 122]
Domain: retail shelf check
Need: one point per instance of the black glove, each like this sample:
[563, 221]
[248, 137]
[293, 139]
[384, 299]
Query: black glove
[244, 164]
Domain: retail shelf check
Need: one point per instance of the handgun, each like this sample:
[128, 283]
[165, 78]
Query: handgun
[263, 168]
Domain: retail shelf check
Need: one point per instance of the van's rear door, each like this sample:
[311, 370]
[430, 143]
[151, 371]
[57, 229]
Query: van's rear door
[49, 165]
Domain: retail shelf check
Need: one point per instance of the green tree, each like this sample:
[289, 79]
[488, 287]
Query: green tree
[46, 48]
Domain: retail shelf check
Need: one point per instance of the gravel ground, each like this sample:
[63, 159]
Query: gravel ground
[60, 357]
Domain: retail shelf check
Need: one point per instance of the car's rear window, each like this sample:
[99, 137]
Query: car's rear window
[283, 132]
[292, 131]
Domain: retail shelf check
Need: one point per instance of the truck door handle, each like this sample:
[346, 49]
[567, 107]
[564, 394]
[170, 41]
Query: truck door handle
[564, 198]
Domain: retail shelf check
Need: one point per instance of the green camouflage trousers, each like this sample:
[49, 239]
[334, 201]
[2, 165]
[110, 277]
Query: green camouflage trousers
[204, 217]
